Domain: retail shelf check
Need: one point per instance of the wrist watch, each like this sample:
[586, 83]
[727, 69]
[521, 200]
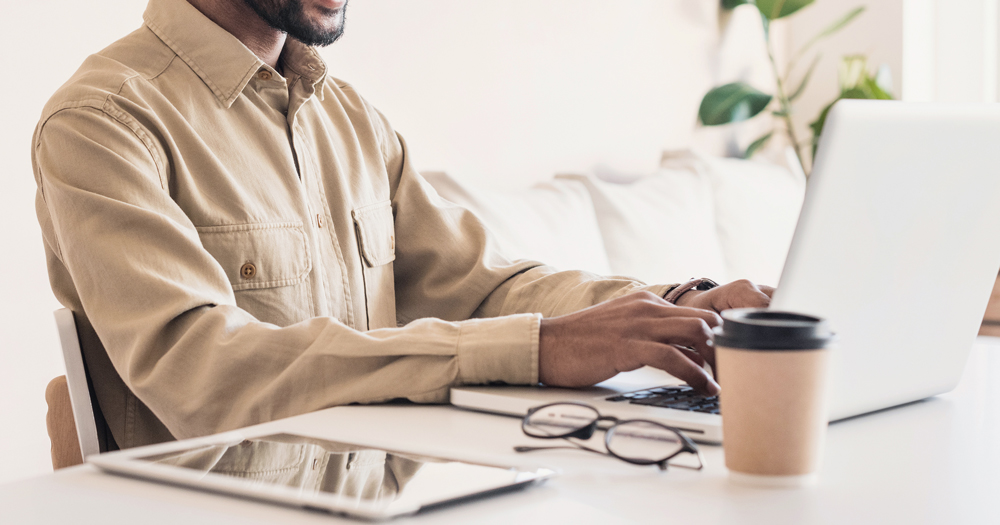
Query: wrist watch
[700, 284]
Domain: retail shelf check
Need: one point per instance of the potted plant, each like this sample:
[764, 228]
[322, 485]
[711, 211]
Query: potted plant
[739, 101]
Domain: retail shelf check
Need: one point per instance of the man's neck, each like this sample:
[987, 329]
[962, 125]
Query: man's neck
[243, 23]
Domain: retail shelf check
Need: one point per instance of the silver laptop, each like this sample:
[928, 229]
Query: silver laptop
[897, 245]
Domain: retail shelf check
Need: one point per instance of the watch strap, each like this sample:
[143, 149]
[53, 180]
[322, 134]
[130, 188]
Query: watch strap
[701, 284]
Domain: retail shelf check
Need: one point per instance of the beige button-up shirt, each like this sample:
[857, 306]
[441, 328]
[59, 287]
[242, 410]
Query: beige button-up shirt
[242, 244]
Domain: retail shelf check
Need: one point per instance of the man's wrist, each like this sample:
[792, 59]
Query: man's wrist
[689, 288]
[689, 297]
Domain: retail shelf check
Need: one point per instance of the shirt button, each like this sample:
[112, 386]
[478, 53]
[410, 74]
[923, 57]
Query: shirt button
[264, 74]
[248, 270]
[319, 220]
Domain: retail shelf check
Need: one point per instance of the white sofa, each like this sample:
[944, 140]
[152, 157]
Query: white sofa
[696, 216]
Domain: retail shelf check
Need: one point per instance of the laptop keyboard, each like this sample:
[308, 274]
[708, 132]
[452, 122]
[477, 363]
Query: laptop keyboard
[676, 397]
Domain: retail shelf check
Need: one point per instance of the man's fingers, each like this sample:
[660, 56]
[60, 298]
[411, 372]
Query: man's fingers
[743, 294]
[691, 354]
[768, 290]
[711, 318]
[690, 332]
[674, 362]
[756, 300]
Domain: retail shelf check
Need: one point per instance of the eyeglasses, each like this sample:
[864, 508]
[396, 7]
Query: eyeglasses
[636, 441]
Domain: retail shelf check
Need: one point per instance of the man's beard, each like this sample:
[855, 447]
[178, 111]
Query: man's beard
[288, 16]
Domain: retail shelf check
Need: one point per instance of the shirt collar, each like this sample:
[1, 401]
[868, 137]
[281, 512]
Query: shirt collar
[218, 57]
[305, 62]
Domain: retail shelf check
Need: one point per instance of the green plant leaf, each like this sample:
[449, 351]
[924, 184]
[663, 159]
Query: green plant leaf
[733, 4]
[757, 144]
[775, 9]
[731, 103]
[857, 82]
[867, 88]
[874, 90]
[833, 28]
[817, 126]
[852, 71]
[805, 80]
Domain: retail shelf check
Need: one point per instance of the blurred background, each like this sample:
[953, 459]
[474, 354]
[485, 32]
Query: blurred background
[500, 93]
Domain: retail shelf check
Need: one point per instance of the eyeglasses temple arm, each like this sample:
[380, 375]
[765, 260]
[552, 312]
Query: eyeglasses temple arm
[701, 462]
[575, 446]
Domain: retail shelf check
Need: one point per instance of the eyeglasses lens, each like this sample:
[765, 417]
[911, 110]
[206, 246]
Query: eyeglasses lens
[643, 441]
[559, 420]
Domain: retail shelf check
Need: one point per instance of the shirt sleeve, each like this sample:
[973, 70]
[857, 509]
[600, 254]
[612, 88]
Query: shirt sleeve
[448, 266]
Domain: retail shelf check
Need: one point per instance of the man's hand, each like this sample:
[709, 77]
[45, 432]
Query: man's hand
[737, 294]
[592, 345]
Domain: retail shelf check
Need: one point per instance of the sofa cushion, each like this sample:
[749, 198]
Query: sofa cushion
[756, 207]
[552, 222]
[659, 228]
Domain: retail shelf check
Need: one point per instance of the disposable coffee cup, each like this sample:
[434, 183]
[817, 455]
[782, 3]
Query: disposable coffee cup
[773, 369]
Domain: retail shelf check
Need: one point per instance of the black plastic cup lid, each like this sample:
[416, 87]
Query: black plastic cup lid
[760, 329]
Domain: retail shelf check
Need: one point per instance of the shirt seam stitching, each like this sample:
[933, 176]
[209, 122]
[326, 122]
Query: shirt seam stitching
[161, 34]
[377, 125]
[247, 227]
[84, 105]
[165, 68]
[126, 120]
[331, 233]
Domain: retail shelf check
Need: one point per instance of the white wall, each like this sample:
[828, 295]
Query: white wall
[43, 43]
[506, 93]
[950, 50]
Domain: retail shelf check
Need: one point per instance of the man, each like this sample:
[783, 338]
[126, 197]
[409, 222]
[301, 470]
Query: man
[244, 238]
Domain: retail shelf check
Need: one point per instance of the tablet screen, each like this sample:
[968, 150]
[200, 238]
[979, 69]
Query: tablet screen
[334, 476]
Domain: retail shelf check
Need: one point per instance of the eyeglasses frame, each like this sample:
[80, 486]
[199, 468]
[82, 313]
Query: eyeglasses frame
[584, 433]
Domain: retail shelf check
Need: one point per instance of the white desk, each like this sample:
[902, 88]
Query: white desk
[936, 461]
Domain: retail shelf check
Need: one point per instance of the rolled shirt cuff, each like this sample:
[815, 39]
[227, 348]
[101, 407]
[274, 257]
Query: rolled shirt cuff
[501, 349]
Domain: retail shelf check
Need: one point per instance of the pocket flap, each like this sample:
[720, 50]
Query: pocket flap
[263, 255]
[376, 233]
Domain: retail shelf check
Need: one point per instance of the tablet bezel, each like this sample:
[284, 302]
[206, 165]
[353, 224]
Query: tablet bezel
[129, 463]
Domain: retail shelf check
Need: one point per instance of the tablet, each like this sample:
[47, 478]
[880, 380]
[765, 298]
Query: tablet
[341, 478]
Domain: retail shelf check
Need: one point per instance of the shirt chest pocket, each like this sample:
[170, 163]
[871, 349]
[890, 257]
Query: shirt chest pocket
[375, 230]
[267, 265]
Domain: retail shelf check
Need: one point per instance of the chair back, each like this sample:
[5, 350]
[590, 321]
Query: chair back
[79, 387]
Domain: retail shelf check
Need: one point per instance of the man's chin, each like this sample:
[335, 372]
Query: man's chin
[317, 38]
[312, 22]
[325, 33]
